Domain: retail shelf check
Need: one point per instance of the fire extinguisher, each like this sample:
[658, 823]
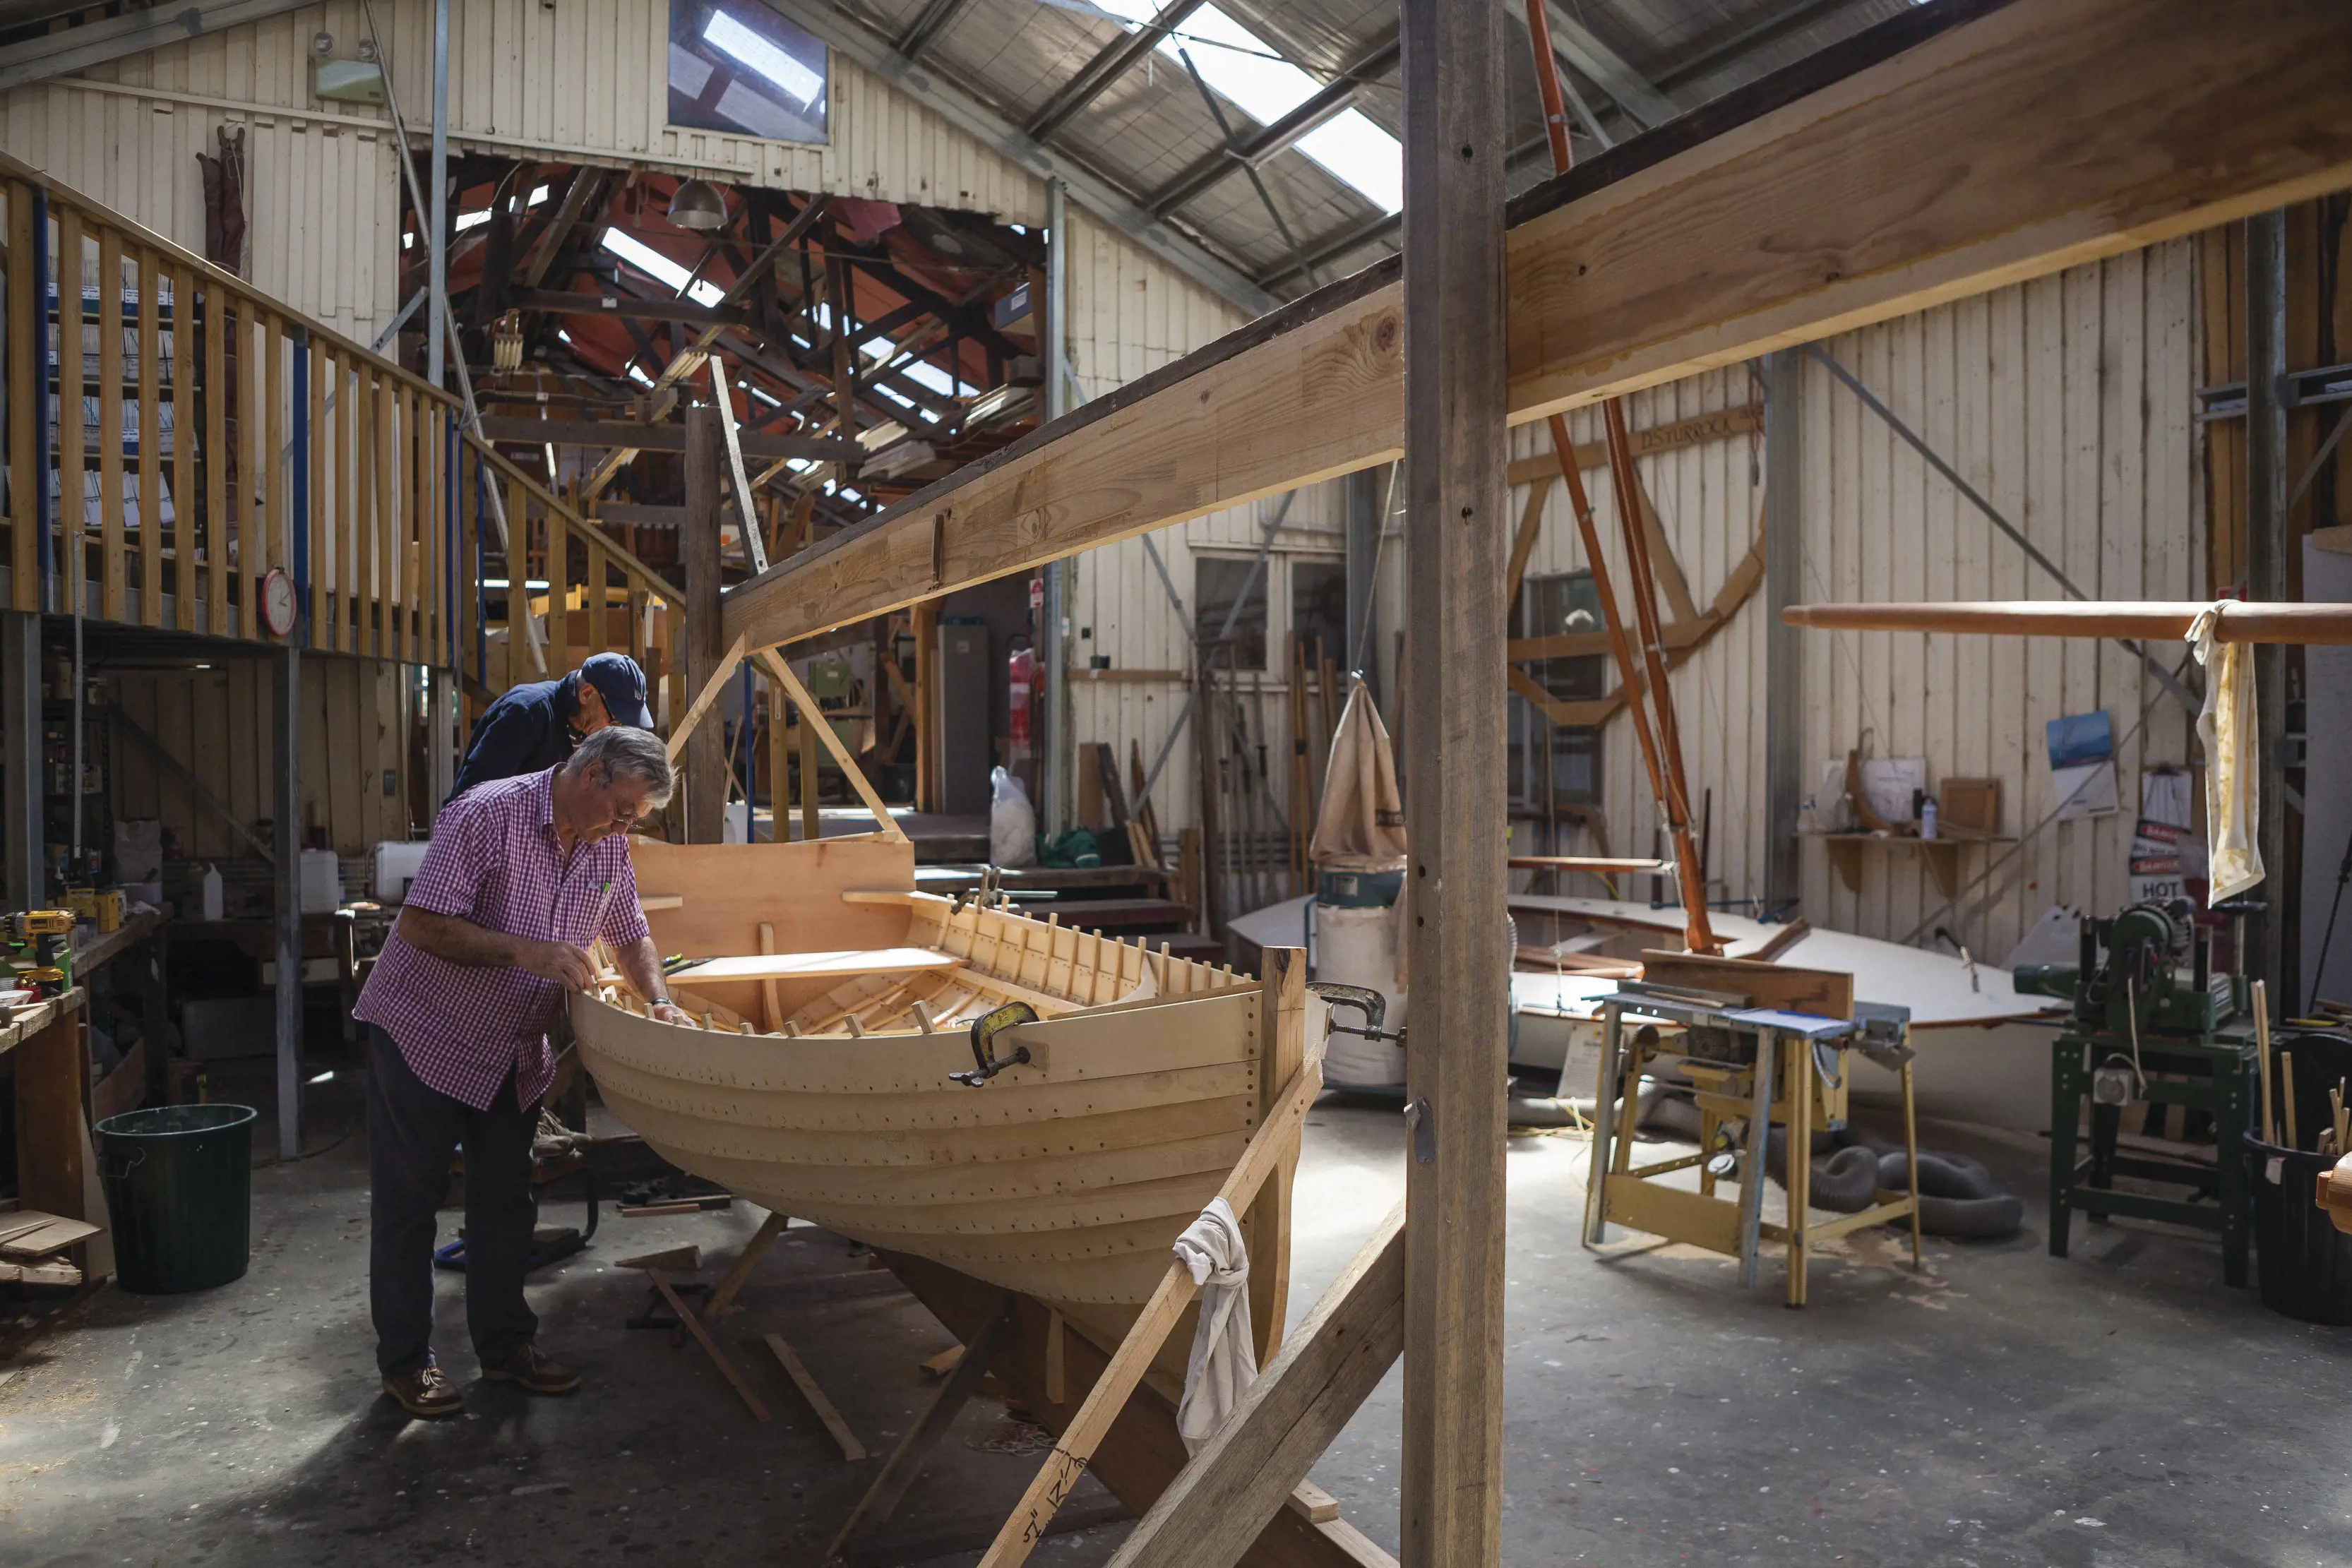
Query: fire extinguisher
[1021, 670]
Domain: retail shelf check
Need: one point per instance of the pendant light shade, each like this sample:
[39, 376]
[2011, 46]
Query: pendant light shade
[697, 205]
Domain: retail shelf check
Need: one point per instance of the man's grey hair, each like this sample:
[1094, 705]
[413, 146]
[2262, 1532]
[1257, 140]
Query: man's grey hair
[628, 753]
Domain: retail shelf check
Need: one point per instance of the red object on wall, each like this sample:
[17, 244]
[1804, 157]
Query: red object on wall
[1022, 674]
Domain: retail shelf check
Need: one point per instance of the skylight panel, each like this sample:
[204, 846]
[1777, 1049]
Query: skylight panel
[724, 32]
[1349, 147]
[1358, 153]
[924, 374]
[476, 219]
[657, 265]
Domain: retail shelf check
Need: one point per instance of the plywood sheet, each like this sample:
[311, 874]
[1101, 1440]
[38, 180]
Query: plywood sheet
[1824, 993]
[829, 965]
[728, 890]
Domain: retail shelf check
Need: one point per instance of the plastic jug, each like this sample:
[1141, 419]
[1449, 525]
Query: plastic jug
[212, 893]
[322, 886]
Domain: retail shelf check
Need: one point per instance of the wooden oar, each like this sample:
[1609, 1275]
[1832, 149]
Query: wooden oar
[1109, 1396]
[2263, 1061]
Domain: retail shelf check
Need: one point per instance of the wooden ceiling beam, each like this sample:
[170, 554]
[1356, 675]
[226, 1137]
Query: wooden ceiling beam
[641, 437]
[1943, 153]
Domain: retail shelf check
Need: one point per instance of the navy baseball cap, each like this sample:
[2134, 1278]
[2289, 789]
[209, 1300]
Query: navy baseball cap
[622, 685]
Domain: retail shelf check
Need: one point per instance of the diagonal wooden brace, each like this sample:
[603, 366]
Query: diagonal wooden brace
[905, 1461]
[1143, 1454]
[773, 665]
[1246, 1473]
[1071, 1455]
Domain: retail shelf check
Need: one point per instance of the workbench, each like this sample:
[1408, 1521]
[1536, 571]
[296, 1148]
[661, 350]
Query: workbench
[139, 1077]
[50, 1055]
[1792, 1070]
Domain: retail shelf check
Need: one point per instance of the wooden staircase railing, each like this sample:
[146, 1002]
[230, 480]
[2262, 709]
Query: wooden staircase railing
[173, 436]
[579, 563]
[212, 437]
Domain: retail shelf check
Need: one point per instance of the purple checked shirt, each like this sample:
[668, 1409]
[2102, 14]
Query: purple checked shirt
[497, 861]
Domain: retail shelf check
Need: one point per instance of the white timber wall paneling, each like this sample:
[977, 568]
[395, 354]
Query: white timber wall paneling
[357, 718]
[585, 83]
[322, 212]
[1128, 316]
[2066, 402]
[1709, 500]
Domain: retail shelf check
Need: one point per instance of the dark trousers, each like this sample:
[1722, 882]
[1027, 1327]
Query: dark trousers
[412, 1130]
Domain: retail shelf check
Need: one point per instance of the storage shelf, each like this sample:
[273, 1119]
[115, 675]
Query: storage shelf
[1942, 853]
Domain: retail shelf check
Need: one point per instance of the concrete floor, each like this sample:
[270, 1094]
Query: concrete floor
[2116, 1407]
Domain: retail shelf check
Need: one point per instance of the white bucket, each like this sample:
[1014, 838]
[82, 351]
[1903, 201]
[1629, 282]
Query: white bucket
[1359, 947]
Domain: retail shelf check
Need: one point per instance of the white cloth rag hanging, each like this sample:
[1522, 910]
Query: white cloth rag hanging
[2227, 729]
[1225, 1353]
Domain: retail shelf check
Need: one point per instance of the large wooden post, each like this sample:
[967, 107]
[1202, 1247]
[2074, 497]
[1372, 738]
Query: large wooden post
[927, 706]
[1457, 538]
[705, 785]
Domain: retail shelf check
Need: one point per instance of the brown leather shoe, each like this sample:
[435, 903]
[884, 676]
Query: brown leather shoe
[427, 1392]
[537, 1373]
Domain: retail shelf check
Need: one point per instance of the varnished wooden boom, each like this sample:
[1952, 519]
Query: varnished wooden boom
[2155, 620]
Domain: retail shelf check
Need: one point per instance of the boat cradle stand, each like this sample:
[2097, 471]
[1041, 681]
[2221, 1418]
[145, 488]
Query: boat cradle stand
[1784, 1067]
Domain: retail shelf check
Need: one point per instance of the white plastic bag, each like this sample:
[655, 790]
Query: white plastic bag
[1012, 823]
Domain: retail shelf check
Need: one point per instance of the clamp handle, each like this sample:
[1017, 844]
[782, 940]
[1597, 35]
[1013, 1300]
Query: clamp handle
[1364, 999]
[984, 1028]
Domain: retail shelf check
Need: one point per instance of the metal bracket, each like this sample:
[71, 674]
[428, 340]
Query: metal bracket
[1423, 1124]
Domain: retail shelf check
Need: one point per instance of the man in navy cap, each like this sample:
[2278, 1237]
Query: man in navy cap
[534, 727]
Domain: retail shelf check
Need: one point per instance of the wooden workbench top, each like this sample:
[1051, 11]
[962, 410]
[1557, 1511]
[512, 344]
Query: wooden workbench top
[26, 1022]
[100, 951]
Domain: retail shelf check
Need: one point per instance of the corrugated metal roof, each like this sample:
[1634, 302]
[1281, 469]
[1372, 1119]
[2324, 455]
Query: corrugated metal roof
[1632, 62]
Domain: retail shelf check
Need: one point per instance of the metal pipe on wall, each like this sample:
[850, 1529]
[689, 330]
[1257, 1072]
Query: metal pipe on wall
[20, 758]
[285, 807]
[1054, 772]
[2266, 576]
[1361, 497]
[437, 251]
[1784, 668]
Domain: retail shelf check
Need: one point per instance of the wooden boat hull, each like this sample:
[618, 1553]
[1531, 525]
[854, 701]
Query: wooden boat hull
[1066, 1178]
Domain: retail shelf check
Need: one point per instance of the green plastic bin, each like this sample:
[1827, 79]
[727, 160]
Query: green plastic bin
[179, 1194]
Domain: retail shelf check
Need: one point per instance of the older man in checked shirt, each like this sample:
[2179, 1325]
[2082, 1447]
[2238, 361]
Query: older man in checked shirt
[524, 874]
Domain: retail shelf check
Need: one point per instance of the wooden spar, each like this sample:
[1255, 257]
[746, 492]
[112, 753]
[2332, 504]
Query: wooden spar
[2308, 625]
[1051, 1486]
[1673, 797]
[1772, 215]
[1584, 862]
[1657, 732]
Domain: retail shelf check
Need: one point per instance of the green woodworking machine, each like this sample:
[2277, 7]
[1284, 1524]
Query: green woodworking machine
[2148, 1025]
